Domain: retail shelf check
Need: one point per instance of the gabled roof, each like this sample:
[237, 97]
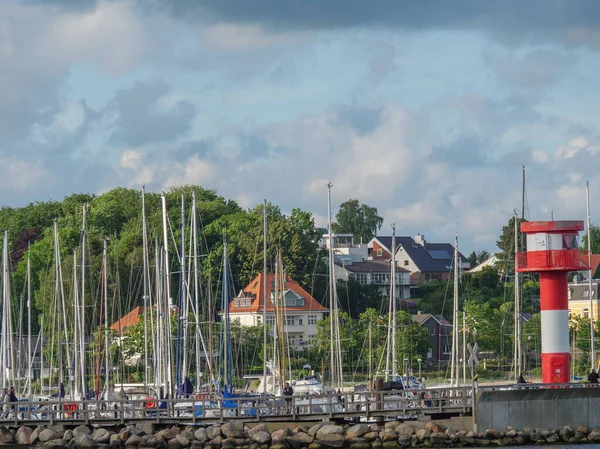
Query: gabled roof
[253, 293]
[432, 257]
[595, 266]
[128, 320]
[370, 266]
[422, 317]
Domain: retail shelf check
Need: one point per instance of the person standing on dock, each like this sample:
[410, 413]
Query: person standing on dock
[288, 391]
[593, 377]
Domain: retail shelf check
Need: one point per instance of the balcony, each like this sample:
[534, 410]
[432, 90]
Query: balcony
[553, 260]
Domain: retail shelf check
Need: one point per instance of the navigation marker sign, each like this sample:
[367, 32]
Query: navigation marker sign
[473, 350]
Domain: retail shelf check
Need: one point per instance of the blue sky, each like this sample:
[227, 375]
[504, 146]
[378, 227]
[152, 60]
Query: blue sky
[426, 110]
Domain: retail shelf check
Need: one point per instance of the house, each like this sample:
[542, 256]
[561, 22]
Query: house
[128, 320]
[489, 262]
[424, 260]
[579, 299]
[440, 336]
[303, 312]
[375, 272]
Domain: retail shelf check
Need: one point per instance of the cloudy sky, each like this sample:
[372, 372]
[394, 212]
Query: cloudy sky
[426, 109]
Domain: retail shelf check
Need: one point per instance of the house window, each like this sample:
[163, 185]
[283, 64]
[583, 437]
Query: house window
[290, 320]
[259, 319]
[406, 263]
[292, 340]
[271, 320]
[299, 321]
[312, 320]
[312, 338]
[585, 313]
[362, 278]
[379, 252]
[447, 349]
[432, 331]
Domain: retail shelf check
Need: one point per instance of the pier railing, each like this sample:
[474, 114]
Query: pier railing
[198, 409]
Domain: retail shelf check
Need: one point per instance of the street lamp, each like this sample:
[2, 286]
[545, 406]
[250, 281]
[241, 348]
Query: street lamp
[419, 360]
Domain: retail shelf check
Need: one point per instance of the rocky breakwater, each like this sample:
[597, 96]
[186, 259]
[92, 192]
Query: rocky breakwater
[391, 435]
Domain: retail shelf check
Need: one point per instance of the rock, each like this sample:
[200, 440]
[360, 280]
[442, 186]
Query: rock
[583, 429]
[404, 440]
[315, 446]
[553, 439]
[279, 446]
[48, 434]
[357, 430]
[228, 442]
[115, 439]
[124, 434]
[201, 435]
[329, 429]
[467, 441]
[491, 434]
[23, 435]
[149, 442]
[35, 435]
[81, 430]
[6, 436]
[185, 442]
[216, 441]
[299, 440]
[279, 436]
[300, 429]
[391, 424]
[332, 439]
[375, 428]
[84, 441]
[135, 431]
[68, 435]
[434, 427]
[314, 429]
[438, 438]
[188, 433]
[371, 436]
[389, 435]
[566, 433]
[594, 435]
[391, 445]
[231, 430]
[257, 428]
[196, 444]
[481, 442]
[101, 435]
[134, 440]
[451, 431]
[173, 444]
[213, 432]
[170, 434]
[55, 443]
[423, 434]
[511, 433]
[261, 437]
[471, 434]
[405, 429]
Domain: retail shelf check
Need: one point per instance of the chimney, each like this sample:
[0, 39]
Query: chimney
[420, 239]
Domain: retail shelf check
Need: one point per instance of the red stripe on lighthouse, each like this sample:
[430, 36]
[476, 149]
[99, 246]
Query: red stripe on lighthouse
[553, 290]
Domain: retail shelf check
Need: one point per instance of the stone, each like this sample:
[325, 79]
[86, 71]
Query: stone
[189, 434]
[135, 431]
[371, 436]
[315, 446]
[261, 437]
[391, 424]
[213, 432]
[196, 444]
[594, 436]
[279, 436]
[101, 435]
[23, 435]
[173, 444]
[390, 445]
[566, 433]
[48, 434]
[228, 442]
[423, 434]
[553, 439]
[257, 428]
[450, 431]
[231, 430]
[583, 429]
[115, 439]
[149, 442]
[438, 438]
[81, 430]
[481, 442]
[84, 441]
[404, 440]
[329, 429]
[279, 446]
[170, 434]
[68, 435]
[124, 434]
[374, 427]
[314, 429]
[299, 440]
[467, 441]
[335, 440]
[134, 440]
[35, 435]
[201, 435]
[185, 442]
[389, 435]
[491, 434]
[511, 433]
[405, 429]
[6, 436]
[216, 441]
[55, 443]
[357, 430]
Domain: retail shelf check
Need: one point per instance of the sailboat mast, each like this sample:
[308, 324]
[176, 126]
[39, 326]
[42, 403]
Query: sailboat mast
[331, 286]
[454, 366]
[196, 291]
[169, 300]
[589, 244]
[227, 381]
[82, 304]
[105, 301]
[517, 336]
[77, 327]
[264, 311]
[394, 305]
[29, 352]
[145, 283]
[183, 301]
[58, 305]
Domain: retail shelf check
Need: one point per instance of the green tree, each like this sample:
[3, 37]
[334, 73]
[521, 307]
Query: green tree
[594, 237]
[361, 220]
[506, 245]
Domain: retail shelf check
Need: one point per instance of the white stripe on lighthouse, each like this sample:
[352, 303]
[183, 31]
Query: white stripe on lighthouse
[555, 331]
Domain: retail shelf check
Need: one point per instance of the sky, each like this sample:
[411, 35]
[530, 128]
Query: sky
[425, 109]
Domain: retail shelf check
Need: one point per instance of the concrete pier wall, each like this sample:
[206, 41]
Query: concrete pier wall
[538, 408]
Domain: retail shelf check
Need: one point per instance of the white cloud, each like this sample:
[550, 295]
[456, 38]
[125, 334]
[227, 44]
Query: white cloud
[224, 36]
[130, 159]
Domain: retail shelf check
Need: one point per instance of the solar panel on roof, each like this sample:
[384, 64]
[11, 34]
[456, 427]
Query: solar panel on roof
[440, 255]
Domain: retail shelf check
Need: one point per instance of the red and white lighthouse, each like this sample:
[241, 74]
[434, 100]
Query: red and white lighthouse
[553, 251]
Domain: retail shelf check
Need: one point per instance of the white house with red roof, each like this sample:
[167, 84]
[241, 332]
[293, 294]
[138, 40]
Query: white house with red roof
[302, 311]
